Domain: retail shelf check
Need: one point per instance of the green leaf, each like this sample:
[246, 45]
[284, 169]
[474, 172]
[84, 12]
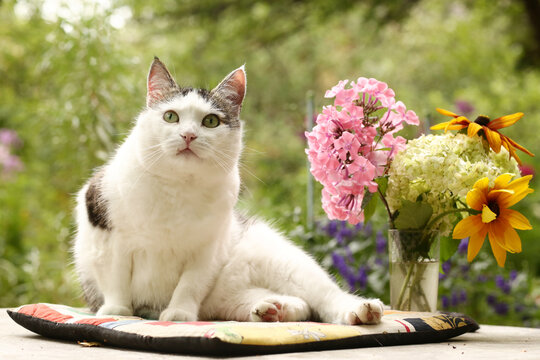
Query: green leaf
[369, 208]
[383, 184]
[448, 247]
[413, 215]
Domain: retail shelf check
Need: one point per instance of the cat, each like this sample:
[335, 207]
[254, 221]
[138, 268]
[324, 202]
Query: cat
[158, 235]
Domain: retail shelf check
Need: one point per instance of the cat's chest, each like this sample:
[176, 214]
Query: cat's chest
[186, 208]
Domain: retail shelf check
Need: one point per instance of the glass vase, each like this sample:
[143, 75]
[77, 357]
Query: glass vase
[414, 269]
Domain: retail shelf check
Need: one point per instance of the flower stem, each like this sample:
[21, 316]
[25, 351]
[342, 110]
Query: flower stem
[404, 286]
[390, 217]
[443, 214]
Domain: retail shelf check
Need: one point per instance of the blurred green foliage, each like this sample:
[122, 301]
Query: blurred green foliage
[71, 85]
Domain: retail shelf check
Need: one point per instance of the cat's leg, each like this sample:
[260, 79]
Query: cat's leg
[114, 279]
[192, 288]
[272, 307]
[348, 309]
[281, 266]
[255, 304]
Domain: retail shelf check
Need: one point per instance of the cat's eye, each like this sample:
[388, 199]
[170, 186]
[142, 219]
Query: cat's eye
[211, 121]
[170, 116]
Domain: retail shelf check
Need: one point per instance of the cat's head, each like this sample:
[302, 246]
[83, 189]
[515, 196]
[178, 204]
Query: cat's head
[186, 128]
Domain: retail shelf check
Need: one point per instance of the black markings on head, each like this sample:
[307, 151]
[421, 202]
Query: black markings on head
[217, 101]
[96, 205]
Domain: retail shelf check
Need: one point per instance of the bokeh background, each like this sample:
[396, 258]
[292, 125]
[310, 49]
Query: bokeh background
[73, 78]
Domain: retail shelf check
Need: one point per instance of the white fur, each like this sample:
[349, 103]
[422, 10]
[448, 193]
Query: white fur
[176, 245]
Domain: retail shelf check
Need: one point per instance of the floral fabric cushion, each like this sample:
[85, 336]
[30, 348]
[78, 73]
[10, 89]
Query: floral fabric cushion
[235, 338]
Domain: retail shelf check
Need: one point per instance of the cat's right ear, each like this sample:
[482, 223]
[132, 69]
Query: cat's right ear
[233, 89]
[160, 85]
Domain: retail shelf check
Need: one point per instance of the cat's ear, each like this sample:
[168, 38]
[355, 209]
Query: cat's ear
[160, 85]
[233, 89]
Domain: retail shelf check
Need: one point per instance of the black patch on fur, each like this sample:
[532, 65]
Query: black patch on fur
[231, 119]
[93, 297]
[96, 205]
[218, 102]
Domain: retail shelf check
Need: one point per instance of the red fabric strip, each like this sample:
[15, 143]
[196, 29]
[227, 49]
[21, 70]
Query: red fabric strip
[43, 311]
[406, 327]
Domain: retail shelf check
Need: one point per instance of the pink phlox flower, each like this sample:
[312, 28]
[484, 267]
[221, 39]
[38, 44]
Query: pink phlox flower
[366, 135]
[360, 84]
[396, 144]
[344, 206]
[347, 144]
[352, 143]
[362, 171]
[379, 159]
[411, 118]
[351, 116]
[336, 89]
[391, 122]
[345, 96]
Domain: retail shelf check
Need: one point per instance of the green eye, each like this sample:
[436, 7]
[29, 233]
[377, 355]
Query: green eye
[211, 121]
[170, 116]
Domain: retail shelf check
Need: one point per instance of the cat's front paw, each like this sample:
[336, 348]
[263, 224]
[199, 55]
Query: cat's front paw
[177, 314]
[362, 312]
[109, 309]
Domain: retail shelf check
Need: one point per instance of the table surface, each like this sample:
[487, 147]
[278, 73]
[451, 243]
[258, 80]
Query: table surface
[490, 342]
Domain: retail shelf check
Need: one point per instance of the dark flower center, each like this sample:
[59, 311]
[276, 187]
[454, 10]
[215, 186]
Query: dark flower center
[494, 206]
[482, 120]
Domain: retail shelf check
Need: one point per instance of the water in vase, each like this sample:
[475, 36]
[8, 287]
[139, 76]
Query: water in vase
[414, 286]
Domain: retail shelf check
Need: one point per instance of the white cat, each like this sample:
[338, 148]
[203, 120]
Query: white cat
[158, 235]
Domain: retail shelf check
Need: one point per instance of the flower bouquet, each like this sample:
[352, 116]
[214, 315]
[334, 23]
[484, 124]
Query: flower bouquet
[425, 185]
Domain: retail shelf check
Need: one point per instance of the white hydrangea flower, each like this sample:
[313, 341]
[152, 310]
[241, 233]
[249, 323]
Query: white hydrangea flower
[443, 168]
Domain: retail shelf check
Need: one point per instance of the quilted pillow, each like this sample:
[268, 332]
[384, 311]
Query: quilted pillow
[236, 338]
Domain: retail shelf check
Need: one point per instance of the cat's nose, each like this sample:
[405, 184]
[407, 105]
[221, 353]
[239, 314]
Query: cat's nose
[188, 137]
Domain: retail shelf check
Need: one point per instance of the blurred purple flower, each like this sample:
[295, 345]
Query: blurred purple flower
[446, 266]
[463, 246]
[502, 284]
[380, 243]
[12, 164]
[341, 265]
[491, 300]
[462, 296]
[501, 308]
[513, 275]
[9, 138]
[368, 230]
[362, 277]
[464, 107]
[445, 302]
[454, 300]
[482, 278]
[331, 228]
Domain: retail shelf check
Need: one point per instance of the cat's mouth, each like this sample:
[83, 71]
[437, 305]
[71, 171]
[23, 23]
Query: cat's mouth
[187, 152]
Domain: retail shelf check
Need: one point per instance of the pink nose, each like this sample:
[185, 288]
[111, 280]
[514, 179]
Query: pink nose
[188, 137]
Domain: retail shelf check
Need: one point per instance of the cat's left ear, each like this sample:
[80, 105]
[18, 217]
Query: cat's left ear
[233, 89]
[161, 85]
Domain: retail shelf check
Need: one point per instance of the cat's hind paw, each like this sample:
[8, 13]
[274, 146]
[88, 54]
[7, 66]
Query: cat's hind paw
[177, 314]
[280, 308]
[362, 312]
[114, 310]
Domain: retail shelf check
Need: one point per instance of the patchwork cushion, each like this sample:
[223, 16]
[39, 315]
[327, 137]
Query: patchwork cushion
[236, 338]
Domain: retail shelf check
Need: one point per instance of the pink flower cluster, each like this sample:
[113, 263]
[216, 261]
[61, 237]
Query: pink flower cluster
[9, 163]
[353, 143]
